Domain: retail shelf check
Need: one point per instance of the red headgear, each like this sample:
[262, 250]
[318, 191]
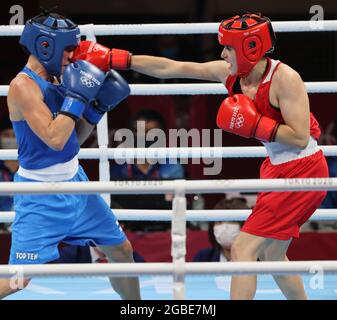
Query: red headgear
[251, 36]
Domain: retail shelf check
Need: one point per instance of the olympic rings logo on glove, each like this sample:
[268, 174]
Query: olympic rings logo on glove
[96, 48]
[87, 82]
[239, 121]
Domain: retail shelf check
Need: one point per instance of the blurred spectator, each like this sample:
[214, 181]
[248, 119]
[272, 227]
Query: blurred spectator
[7, 167]
[168, 46]
[331, 139]
[330, 201]
[146, 120]
[222, 234]
[329, 136]
[144, 170]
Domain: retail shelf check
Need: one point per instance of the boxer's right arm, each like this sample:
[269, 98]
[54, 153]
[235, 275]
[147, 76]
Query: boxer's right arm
[25, 101]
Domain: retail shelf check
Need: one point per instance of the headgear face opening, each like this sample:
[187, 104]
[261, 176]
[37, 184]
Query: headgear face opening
[47, 36]
[251, 36]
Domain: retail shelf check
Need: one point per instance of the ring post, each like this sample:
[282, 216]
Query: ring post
[178, 235]
[102, 128]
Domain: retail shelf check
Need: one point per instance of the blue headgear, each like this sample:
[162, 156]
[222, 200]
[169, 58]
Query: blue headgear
[47, 39]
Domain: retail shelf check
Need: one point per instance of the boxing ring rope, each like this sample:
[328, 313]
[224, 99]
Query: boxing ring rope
[191, 215]
[180, 188]
[179, 268]
[162, 269]
[201, 88]
[172, 153]
[181, 28]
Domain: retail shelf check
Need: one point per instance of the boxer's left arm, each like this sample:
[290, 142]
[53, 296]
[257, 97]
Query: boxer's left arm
[238, 114]
[293, 102]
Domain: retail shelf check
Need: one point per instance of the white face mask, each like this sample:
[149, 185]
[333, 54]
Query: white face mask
[225, 233]
[8, 143]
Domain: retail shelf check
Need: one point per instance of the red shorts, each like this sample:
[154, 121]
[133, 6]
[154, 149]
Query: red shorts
[279, 215]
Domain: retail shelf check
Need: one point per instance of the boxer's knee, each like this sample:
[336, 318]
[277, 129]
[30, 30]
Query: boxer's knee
[275, 254]
[247, 247]
[241, 251]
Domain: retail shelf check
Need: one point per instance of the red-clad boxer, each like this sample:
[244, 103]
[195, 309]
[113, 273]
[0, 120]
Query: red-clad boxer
[268, 101]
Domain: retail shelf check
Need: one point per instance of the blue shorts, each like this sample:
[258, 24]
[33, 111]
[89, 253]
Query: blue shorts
[42, 221]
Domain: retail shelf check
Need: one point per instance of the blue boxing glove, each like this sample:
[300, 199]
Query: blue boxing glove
[82, 81]
[112, 92]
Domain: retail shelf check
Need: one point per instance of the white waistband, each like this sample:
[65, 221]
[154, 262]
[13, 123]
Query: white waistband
[281, 153]
[57, 172]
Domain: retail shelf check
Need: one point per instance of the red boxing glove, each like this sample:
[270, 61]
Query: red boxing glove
[101, 56]
[238, 115]
[120, 59]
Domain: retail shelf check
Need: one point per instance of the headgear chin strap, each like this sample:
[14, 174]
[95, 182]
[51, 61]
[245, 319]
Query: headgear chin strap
[251, 36]
[47, 36]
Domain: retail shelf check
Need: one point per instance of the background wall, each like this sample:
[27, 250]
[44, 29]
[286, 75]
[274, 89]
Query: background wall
[313, 54]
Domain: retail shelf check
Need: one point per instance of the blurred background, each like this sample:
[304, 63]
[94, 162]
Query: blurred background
[312, 54]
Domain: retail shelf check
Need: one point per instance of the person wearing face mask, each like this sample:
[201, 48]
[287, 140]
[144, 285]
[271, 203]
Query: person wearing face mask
[221, 234]
[224, 234]
[7, 167]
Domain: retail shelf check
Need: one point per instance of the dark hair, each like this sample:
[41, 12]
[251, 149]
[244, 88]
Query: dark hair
[233, 203]
[149, 115]
[334, 129]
